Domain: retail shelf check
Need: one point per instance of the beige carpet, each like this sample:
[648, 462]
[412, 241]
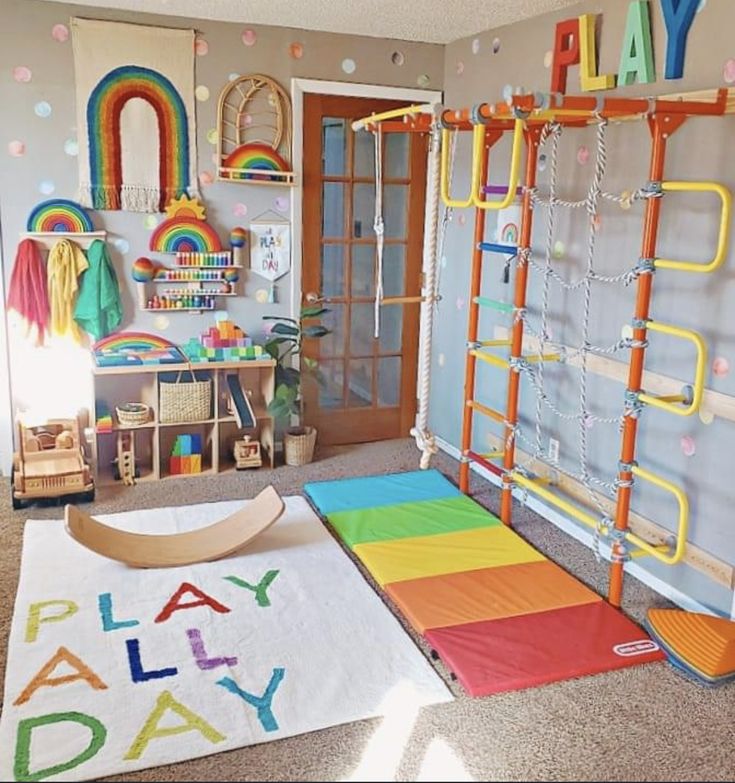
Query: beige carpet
[644, 723]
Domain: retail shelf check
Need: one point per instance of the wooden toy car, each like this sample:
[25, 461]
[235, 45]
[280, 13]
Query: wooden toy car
[50, 463]
[247, 453]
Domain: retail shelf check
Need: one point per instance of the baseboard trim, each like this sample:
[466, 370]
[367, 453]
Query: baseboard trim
[585, 537]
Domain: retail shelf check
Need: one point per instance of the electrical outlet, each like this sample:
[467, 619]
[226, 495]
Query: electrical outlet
[553, 450]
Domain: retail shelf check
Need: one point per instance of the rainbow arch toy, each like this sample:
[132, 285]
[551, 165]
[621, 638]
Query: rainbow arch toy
[57, 215]
[248, 160]
[134, 348]
[185, 235]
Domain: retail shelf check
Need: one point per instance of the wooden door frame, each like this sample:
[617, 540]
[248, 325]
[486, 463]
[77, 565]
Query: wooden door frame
[299, 87]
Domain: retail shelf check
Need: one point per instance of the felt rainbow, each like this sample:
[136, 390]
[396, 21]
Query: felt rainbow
[105, 144]
[185, 235]
[254, 156]
[59, 215]
[132, 341]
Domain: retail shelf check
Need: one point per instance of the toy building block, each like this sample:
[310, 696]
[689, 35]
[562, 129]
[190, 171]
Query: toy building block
[174, 466]
[196, 463]
[186, 465]
[184, 442]
[196, 444]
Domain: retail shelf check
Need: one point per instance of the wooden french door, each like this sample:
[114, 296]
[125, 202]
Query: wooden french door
[369, 385]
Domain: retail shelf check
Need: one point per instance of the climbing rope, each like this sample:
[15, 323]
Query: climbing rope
[378, 227]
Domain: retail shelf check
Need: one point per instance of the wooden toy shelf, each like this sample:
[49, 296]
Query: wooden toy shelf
[154, 440]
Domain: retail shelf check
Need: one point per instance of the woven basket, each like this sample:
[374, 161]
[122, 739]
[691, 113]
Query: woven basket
[132, 414]
[184, 401]
[299, 449]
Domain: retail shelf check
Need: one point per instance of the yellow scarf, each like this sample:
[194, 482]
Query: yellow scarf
[66, 262]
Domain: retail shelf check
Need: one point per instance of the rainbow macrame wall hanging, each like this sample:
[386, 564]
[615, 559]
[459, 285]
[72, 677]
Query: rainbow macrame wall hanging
[253, 128]
[59, 215]
[135, 115]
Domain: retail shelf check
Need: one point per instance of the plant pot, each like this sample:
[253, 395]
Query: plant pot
[298, 445]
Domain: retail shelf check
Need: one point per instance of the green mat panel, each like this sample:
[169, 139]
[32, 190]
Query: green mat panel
[407, 520]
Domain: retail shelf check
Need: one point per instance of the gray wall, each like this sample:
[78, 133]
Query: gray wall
[26, 40]
[700, 150]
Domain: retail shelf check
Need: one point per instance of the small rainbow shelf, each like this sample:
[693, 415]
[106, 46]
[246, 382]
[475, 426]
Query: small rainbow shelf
[255, 162]
[135, 348]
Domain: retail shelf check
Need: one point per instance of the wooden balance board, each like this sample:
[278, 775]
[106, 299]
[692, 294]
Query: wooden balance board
[213, 542]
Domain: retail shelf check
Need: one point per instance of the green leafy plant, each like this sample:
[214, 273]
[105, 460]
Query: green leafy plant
[285, 342]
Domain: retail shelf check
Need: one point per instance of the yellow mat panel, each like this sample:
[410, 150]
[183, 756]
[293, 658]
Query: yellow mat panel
[449, 553]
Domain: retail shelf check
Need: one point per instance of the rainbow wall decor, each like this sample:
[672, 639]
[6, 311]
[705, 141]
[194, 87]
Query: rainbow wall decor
[106, 103]
[254, 156]
[185, 235]
[59, 215]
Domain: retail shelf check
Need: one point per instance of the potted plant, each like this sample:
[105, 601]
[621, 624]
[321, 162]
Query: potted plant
[286, 337]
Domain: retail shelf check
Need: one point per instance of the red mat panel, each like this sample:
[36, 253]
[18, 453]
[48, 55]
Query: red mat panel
[522, 652]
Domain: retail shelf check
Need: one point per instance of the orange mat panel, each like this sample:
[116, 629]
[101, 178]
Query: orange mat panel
[448, 553]
[487, 594]
[703, 642]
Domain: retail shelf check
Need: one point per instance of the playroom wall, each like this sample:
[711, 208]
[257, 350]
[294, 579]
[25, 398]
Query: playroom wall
[48, 163]
[478, 69]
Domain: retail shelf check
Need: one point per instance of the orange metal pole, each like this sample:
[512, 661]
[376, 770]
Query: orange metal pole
[661, 126]
[474, 319]
[533, 137]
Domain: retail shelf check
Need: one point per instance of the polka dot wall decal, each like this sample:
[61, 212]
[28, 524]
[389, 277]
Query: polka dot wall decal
[121, 245]
[462, 219]
[728, 71]
[60, 33]
[16, 149]
[247, 120]
[240, 210]
[212, 135]
[201, 93]
[215, 159]
[398, 58]
[423, 80]
[201, 47]
[460, 68]
[248, 37]
[627, 332]
[296, 50]
[688, 446]
[441, 359]
[150, 222]
[721, 367]
[206, 178]
[46, 187]
[232, 76]
[42, 109]
[559, 249]
[548, 59]
[496, 45]
[348, 65]
[261, 297]
[282, 203]
[459, 304]
[475, 46]
[706, 416]
[21, 74]
[583, 156]
[71, 148]
[161, 322]
[542, 162]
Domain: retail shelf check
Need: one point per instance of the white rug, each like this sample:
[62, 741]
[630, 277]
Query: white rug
[112, 669]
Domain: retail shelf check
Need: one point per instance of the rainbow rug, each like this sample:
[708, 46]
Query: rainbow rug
[113, 669]
[499, 614]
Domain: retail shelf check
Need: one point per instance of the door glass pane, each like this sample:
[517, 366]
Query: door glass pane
[364, 165]
[360, 383]
[363, 211]
[333, 270]
[391, 323]
[333, 206]
[362, 328]
[333, 145]
[389, 381]
[331, 393]
[396, 155]
[394, 270]
[395, 209]
[363, 270]
[333, 344]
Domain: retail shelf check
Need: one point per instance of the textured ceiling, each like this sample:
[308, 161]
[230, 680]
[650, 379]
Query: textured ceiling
[434, 21]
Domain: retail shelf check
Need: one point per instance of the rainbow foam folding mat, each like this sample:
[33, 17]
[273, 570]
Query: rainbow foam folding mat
[497, 612]
[701, 645]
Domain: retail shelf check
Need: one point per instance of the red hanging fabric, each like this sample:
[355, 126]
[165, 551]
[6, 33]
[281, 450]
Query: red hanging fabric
[28, 294]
